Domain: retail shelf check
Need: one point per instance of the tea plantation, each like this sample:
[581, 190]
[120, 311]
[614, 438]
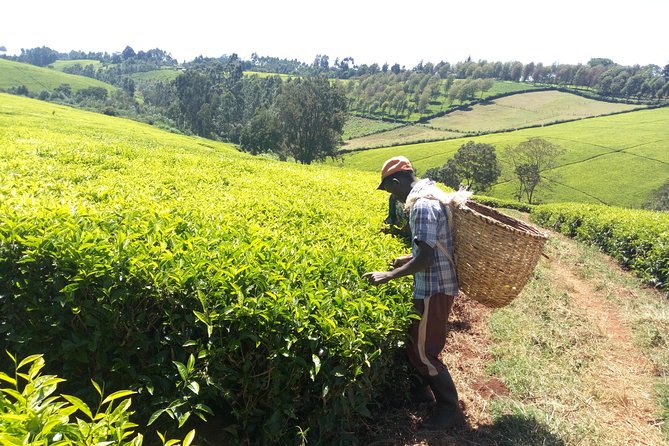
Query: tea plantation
[203, 279]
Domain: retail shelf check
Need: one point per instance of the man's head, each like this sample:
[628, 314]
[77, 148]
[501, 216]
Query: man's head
[397, 177]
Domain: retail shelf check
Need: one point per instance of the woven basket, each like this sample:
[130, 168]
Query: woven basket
[495, 254]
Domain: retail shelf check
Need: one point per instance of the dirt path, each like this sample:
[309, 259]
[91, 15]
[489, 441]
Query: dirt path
[621, 388]
[619, 385]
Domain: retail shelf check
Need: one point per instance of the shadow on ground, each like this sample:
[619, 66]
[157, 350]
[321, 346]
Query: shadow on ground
[508, 430]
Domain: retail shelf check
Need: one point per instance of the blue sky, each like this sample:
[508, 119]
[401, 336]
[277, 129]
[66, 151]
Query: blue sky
[565, 31]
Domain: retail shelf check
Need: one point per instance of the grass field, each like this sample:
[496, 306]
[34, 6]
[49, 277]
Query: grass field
[524, 110]
[356, 127]
[615, 160]
[36, 79]
[60, 65]
[400, 135]
[510, 112]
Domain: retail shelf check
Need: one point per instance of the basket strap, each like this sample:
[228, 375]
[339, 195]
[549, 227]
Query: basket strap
[449, 221]
[446, 208]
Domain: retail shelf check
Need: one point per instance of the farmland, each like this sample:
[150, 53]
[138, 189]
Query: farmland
[36, 79]
[125, 248]
[401, 135]
[526, 110]
[356, 127]
[128, 227]
[631, 147]
[61, 65]
[512, 112]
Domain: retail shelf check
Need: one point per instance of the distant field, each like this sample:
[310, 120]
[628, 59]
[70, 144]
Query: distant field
[165, 75]
[442, 102]
[400, 135]
[357, 127]
[60, 65]
[37, 79]
[616, 160]
[510, 112]
[523, 110]
[265, 74]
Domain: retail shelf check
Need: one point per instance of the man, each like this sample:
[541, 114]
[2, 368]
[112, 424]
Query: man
[435, 285]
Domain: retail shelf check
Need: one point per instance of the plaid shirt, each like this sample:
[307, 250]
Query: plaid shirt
[429, 224]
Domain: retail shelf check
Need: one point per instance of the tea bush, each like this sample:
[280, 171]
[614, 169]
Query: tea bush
[125, 250]
[637, 239]
[32, 413]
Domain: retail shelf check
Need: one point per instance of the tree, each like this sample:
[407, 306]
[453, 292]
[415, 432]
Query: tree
[261, 134]
[39, 56]
[128, 53]
[312, 113]
[531, 161]
[474, 165]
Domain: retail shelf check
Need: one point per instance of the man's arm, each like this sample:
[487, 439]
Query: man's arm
[419, 263]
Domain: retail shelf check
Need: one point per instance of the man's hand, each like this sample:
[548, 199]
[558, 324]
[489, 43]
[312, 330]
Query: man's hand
[402, 260]
[377, 277]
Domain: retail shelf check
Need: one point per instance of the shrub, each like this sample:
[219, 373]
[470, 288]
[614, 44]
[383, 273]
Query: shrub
[638, 240]
[32, 413]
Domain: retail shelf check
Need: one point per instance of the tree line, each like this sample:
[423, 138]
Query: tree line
[212, 98]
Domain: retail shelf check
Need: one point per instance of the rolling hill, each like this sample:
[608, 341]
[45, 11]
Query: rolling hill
[512, 112]
[617, 160]
[37, 79]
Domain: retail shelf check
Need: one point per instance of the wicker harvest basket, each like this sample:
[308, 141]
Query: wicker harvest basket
[495, 254]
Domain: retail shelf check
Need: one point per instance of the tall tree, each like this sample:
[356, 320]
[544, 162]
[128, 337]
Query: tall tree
[531, 161]
[312, 112]
[38, 56]
[474, 165]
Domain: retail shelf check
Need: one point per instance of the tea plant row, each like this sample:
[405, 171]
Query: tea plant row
[202, 279]
[637, 239]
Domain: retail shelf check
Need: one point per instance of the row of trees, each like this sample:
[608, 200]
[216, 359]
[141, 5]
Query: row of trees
[475, 166]
[44, 56]
[600, 74]
[400, 95]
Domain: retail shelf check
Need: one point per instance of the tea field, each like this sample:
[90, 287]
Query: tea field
[526, 110]
[616, 160]
[516, 111]
[125, 249]
[217, 284]
[37, 79]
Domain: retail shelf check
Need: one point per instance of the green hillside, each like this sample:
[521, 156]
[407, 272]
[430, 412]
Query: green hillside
[61, 64]
[617, 160]
[140, 247]
[37, 79]
[516, 111]
[525, 110]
